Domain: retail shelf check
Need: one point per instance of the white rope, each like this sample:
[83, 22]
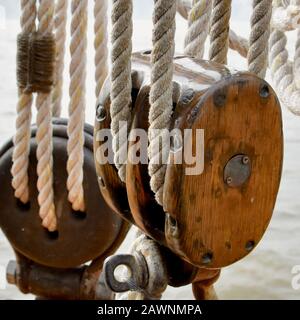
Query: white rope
[77, 104]
[44, 132]
[161, 93]
[121, 81]
[219, 33]
[259, 37]
[199, 25]
[282, 71]
[21, 151]
[60, 38]
[100, 44]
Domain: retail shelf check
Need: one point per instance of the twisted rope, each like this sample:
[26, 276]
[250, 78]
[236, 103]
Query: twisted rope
[259, 37]
[199, 24]
[77, 104]
[100, 43]
[60, 38]
[21, 150]
[44, 132]
[282, 71]
[219, 34]
[161, 92]
[121, 80]
[236, 42]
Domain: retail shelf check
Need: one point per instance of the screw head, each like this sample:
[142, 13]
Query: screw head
[245, 160]
[229, 180]
[100, 113]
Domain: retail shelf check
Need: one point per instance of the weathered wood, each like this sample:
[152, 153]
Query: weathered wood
[215, 218]
[213, 223]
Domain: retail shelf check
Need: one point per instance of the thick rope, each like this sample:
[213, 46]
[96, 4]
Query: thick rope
[21, 151]
[60, 38]
[199, 25]
[286, 15]
[282, 71]
[77, 104]
[161, 92]
[236, 42]
[121, 81]
[44, 132]
[259, 37]
[100, 44]
[219, 33]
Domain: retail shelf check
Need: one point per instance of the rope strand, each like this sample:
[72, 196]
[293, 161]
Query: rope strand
[44, 132]
[121, 81]
[21, 150]
[77, 104]
[161, 93]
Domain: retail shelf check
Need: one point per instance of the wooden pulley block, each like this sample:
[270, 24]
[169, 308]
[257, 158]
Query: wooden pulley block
[81, 236]
[219, 199]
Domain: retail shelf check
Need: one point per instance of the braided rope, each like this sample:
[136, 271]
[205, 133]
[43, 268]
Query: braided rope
[44, 132]
[60, 38]
[21, 150]
[199, 24]
[259, 37]
[100, 43]
[282, 71]
[121, 80]
[77, 104]
[161, 91]
[219, 34]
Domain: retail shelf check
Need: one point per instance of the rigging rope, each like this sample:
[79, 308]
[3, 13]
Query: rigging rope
[199, 24]
[78, 48]
[259, 37]
[219, 33]
[21, 150]
[161, 92]
[121, 81]
[60, 38]
[44, 131]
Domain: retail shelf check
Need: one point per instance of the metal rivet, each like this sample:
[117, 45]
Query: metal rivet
[250, 245]
[229, 180]
[100, 113]
[207, 258]
[264, 91]
[245, 160]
